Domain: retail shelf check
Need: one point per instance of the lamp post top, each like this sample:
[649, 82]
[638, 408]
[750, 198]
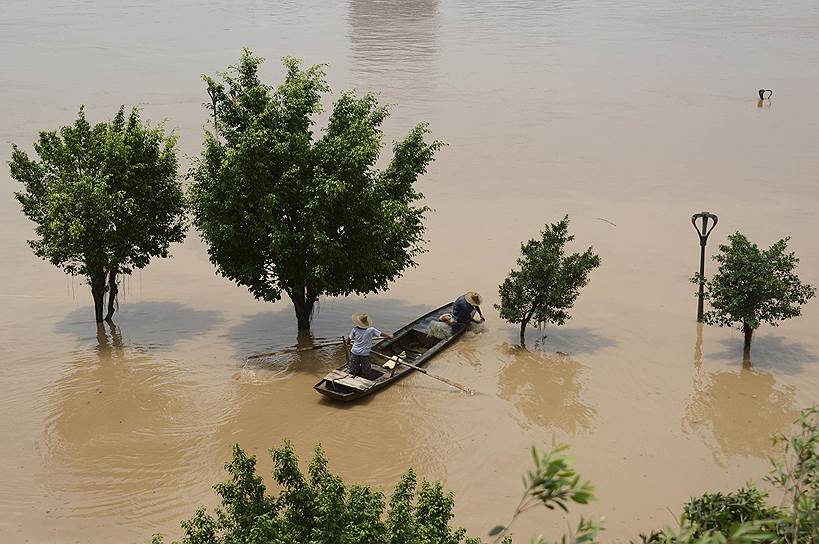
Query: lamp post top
[704, 230]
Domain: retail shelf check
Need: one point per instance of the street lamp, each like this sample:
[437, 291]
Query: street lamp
[703, 231]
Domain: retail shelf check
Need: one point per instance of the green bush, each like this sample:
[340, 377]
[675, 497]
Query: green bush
[724, 512]
[319, 508]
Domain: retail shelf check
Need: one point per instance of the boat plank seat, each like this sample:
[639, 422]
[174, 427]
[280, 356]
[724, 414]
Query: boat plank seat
[354, 382]
[336, 374]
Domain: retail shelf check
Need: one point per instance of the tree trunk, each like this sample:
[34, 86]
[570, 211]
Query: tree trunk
[749, 332]
[523, 325]
[98, 292]
[303, 304]
[112, 294]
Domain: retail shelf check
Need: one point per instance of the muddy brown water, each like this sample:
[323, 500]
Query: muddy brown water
[629, 116]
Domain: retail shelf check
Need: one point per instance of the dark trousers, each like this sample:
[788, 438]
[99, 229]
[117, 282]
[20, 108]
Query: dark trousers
[359, 365]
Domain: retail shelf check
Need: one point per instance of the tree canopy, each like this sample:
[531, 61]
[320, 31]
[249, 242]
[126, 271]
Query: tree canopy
[105, 198]
[284, 212]
[547, 281]
[754, 286]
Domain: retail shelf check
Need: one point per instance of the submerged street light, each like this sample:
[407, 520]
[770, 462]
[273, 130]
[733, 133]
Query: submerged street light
[703, 231]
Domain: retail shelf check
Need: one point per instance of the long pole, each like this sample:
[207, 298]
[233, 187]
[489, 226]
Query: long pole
[702, 278]
[703, 236]
[294, 349]
[401, 361]
[346, 352]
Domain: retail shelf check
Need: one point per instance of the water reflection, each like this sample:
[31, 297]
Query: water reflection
[271, 330]
[394, 43]
[373, 441]
[736, 413]
[122, 432]
[768, 352]
[569, 340]
[545, 388]
[148, 325]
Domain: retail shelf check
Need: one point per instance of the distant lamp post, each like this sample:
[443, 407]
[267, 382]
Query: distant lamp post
[703, 231]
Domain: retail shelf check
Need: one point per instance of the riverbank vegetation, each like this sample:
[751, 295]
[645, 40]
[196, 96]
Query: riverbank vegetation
[320, 508]
[106, 199]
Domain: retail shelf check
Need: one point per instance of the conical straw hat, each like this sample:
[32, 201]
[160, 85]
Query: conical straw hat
[362, 320]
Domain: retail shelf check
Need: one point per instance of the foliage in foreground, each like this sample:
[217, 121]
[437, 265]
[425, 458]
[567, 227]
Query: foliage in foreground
[105, 198]
[548, 281]
[319, 508]
[754, 286]
[283, 212]
[744, 516]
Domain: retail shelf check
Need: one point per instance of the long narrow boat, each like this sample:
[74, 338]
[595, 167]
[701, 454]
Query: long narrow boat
[411, 343]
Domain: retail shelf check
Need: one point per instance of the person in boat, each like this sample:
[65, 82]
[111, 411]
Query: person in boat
[362, 336]
[465, 308]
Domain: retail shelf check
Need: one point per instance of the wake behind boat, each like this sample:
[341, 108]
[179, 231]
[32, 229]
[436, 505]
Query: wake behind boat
[415, 343]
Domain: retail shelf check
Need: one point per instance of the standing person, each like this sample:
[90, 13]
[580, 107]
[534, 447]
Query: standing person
[465, 307]
[362, 338]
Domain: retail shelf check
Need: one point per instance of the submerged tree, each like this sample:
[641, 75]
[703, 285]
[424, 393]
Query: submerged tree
[283, 212]
[548, 281]
[754, 286]
[105, 198]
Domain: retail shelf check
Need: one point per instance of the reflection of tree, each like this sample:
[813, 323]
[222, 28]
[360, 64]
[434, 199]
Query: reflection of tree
[394, 38]
[122, 433]
[545, 388]
[740, 411]
[268, 407]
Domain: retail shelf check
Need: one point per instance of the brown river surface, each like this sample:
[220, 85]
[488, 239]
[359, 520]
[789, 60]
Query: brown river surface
[628, 115]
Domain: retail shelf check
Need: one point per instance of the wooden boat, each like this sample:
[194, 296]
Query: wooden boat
[411, 343]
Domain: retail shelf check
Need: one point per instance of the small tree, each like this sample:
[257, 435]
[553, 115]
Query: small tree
[548, 281]
[284, 213]
[106, 199]
[754, 286]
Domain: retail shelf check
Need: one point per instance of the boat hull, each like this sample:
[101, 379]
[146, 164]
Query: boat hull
[411, 340]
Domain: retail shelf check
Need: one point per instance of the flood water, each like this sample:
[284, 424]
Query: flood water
[629, 116]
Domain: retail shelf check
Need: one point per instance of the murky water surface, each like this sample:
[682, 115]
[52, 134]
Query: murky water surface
[629, 116]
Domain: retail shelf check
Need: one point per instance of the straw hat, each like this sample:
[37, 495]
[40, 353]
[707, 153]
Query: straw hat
[473, 298]
[362, 320]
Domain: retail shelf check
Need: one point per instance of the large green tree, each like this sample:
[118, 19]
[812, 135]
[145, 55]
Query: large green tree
[547, 281]
[106, 199]
[754, 286]
[284, 212]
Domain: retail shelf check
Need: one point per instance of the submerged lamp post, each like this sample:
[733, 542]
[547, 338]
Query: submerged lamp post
[703, 231]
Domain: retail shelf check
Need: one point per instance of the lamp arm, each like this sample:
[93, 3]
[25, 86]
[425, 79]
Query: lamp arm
[715, 218]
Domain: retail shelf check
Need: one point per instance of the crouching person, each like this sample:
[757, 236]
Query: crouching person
[362, 336]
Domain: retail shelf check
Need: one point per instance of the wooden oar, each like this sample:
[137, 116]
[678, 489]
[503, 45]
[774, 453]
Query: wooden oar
[399, 360]
[294, 349]
[346, 351]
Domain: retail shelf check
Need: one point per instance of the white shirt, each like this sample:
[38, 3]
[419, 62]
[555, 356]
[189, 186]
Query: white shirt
[363, 339]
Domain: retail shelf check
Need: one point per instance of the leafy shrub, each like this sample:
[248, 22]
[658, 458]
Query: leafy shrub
[319, 508]
[720, 512]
